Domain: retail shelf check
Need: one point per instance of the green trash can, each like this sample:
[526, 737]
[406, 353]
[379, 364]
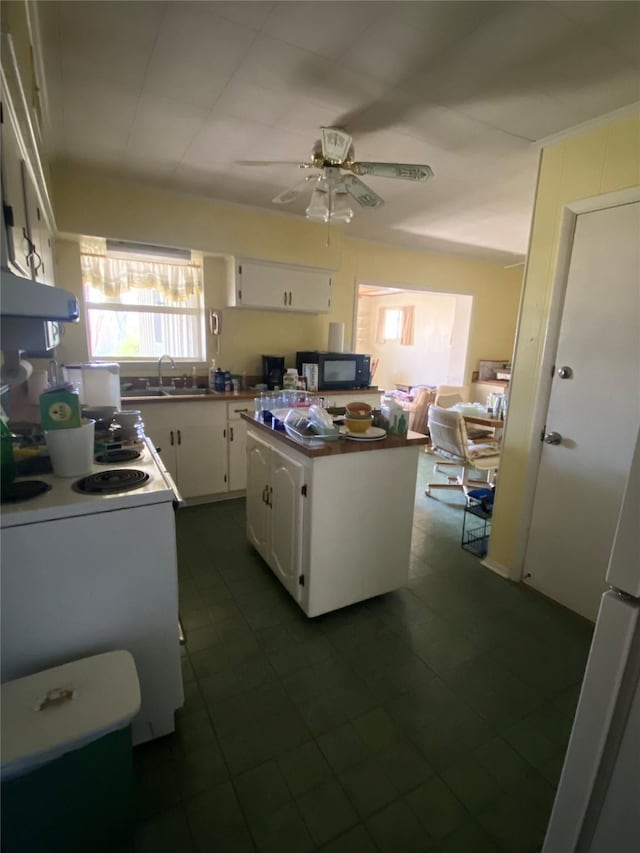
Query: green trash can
[67, 758]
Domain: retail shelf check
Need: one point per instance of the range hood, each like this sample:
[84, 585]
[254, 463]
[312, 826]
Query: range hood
[23, 297]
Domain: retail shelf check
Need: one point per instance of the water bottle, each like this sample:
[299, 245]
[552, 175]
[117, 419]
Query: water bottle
[219, 380]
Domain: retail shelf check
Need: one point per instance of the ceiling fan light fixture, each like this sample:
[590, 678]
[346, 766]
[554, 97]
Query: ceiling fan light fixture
[329, 206]
[318, 209]
[340, 209]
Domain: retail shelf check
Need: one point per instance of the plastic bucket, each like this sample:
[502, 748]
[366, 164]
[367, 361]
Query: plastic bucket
[71, 450]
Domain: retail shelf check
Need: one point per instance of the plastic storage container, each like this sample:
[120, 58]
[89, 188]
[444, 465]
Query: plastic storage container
[98, 383]
[393, 417]
[66, 757]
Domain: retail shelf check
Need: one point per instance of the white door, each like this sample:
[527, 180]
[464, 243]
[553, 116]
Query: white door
[310, 291]
[260, 286]
[202, 459]
[237, 435]
[16, 247]
[285, 499]
[596, 411]
[160, 430]
[258, 456]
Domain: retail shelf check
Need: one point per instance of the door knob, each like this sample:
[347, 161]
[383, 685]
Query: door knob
[552, 438]
[565, 372]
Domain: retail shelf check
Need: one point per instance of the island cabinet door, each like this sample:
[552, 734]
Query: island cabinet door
[258, 512]
[286, 504]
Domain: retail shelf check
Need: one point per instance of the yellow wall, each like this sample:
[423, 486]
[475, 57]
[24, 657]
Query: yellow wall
[594, 163]
[93, 205]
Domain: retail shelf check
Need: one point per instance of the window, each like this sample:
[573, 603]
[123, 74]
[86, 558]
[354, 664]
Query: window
[395, 325]
[142, 302]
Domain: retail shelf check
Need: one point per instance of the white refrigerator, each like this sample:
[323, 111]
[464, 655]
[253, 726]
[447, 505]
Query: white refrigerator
[597, 805]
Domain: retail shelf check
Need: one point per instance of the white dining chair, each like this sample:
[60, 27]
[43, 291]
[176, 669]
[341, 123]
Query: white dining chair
[450, 442]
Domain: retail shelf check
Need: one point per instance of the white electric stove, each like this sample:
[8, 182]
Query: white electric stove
[90, 573]
[63, 500]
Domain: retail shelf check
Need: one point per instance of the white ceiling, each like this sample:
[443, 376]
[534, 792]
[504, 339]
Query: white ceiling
[172, 93]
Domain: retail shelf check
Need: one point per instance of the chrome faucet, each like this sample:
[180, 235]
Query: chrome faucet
[160, 360]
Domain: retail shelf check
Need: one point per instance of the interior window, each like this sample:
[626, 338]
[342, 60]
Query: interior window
[396, 325]
[141, 304]
[392, 324]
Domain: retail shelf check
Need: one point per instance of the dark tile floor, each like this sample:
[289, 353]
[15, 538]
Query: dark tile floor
[433, 718]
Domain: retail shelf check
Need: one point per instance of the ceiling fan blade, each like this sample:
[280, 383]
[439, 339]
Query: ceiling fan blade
[363, 194]
[404, 171]
[335, 144]
[273, 163]
[287, 196]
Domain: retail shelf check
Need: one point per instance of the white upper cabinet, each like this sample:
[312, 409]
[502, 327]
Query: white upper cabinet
[15, 236]
[279, 287]
[40, 233]
[27, 215]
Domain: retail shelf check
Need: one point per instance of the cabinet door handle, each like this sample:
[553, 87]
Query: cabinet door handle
[264, 494]
[290, 298]
[230, 433]
[31, 246]
[179, 437]
[269, 495]
[171, 434]
[237, 411]
[285, 297]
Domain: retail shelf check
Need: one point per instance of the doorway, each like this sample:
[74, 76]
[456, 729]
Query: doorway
[415, 337]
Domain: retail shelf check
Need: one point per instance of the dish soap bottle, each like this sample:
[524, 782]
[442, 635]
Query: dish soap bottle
[212, 374]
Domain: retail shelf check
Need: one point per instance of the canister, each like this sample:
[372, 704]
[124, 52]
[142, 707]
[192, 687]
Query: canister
[98, 382]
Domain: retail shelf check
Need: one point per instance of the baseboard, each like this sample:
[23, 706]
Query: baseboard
[496, 567]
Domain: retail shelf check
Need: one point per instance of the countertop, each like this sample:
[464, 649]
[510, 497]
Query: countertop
[228, 396]
[342, 445]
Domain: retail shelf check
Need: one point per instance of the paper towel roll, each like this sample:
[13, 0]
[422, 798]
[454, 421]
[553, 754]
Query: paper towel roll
[336, 337]
[38, 383]
[15, 370]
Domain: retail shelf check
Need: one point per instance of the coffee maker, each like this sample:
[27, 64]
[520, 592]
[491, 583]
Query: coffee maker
[272, 371]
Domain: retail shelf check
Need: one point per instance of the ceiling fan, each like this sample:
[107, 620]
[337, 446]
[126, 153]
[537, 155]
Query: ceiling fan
[338, 178]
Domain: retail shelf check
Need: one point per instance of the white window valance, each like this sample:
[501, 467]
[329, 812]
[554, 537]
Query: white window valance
[113, 276]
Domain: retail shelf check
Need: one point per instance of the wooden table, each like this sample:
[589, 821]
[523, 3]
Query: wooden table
[496, 424]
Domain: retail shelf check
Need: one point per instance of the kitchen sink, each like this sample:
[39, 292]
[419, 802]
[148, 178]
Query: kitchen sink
[168, 392]
[145, 392]
[188, 392]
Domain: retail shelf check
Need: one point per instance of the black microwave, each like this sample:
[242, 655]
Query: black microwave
[337, 370]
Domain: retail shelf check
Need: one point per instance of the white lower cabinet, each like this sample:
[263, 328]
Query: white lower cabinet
[191, 439]
[237, 444]
[203, 445]
[275, 510]
[334, 529]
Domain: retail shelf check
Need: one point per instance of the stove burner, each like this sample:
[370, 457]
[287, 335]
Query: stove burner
[115, 480]
[23, 490]
[114, 456]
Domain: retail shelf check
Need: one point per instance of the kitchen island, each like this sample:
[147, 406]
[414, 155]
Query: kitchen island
[332, 522]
